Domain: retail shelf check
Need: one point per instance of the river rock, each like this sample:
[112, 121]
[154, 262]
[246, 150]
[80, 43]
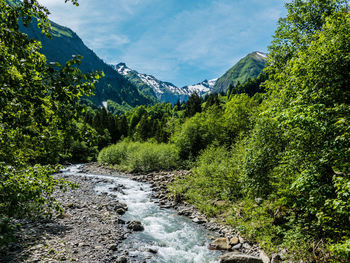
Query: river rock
[220, 244]
[265, 258]
[121, 259]
[237, 247]
[234, 241]
[152, 250]
[121, 211]
[199, 220]
[185, 211]
[119, 205]
[235, 257]
[113, 247]
[135, 226]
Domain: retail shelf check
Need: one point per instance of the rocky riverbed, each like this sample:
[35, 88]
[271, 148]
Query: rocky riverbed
[225, 238]
[91, 228]
[87, 231]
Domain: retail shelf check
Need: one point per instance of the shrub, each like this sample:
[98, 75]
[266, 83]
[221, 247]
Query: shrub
[114, 154]
[216, 176]
[27, 191]
[141, 156]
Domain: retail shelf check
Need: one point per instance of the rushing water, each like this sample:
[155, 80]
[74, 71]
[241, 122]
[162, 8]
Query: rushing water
[174, 238]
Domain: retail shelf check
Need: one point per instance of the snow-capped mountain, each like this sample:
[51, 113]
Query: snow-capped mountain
[164, 91]
[248, 67]
[201, 88]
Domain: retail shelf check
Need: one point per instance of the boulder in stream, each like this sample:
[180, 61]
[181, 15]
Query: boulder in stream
[135, 226]
[220, 244]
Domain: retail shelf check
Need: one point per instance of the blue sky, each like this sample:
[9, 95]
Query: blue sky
[179, 41]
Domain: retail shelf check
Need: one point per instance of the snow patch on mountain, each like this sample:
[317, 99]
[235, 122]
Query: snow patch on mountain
[122, 69]
[262, 55]
[166, 91]
[201, 88]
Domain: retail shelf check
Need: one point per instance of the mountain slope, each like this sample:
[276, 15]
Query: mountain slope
[65, 43]
[164, 91]
[202, 88]
[248, 67]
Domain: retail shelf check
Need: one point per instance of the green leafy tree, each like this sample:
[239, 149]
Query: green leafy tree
[38, 105]
[309, 89]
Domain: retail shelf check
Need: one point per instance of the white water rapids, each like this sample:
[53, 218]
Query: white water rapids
[174, 238]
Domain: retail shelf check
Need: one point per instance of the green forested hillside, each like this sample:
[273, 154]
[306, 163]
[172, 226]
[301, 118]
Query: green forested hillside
[112, 86]
[248, 67]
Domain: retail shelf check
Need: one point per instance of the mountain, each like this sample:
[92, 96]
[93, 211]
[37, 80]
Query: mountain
[202, 88]
[65, 43]
[164, 91]
[247, 68]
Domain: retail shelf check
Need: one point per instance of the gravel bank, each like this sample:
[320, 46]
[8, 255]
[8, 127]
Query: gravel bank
[87, 231]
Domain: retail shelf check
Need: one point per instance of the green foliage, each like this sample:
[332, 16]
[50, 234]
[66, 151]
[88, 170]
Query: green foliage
[251, 87]
[82, 145]
[6, 231]
[313, 114]
[215, 125]
[193, 105]
[27, 191]
[151, 122]
[255, 219]
[118, 109]
[215, 177]
[240, 115]
[340, 251]
[140, 157]
[262, 152]
[296, 31]
[114, 154]
[39, 111]
[198, 132]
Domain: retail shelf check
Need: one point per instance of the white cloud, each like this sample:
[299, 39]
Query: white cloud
[108, 41]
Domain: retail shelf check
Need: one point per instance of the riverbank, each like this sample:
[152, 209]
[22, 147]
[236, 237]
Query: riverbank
[86, 231]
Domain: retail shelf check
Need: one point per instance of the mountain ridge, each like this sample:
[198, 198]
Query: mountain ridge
[163, 90]
[65, 43]
[246, 68]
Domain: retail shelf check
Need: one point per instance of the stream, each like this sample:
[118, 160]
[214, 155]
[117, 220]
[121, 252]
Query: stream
[167, 237]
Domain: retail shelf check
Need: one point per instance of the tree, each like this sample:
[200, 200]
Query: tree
[38, 105]
[296, 31]
[193, 105]
[309, 97]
